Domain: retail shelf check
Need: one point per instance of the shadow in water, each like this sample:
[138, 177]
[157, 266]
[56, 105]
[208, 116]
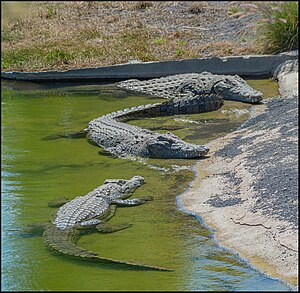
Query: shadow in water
[106, 264]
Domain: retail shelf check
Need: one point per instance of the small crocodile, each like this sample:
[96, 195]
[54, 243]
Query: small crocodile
[90, 213]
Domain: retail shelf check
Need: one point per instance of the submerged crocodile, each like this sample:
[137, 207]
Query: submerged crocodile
[185, 93]
[90, 213]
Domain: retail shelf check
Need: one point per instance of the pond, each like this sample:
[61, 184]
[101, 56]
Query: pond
[36, 171]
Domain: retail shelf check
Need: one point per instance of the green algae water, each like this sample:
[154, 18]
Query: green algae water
[36, 171]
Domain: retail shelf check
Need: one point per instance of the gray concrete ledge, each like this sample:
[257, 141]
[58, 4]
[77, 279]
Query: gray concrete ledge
[249, 65]
[287, 76]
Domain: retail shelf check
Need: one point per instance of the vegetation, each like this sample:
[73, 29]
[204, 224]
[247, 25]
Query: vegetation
[61, 35]
[277, 26]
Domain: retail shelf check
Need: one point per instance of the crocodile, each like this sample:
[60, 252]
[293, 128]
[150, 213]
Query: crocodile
[185, 93]
[124, 140]
[90, 213]
[232, 88]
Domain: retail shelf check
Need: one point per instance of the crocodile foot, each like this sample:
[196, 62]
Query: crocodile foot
[107, 228]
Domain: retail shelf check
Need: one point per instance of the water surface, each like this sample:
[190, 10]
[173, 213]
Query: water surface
[35, 171]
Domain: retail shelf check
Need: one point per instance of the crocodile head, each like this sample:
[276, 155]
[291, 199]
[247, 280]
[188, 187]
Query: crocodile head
[132, 183]
[170, 146]
[124, 188]
[235, 88]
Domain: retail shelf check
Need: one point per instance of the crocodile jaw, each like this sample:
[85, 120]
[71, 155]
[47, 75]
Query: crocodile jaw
[169, 146]
[236, 89]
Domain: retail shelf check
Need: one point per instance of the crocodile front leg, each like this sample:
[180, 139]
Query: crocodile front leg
[132, 202]
[93, 222]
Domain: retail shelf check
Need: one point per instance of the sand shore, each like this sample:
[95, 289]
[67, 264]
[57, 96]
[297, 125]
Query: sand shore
[247, 190]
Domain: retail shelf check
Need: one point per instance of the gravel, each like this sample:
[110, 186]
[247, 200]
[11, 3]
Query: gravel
[228, 197]
[273, 162]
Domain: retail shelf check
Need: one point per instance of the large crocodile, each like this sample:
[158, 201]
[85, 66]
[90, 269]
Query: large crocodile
[123, 139]
[186, 94]
[85, 214]
[195, 84]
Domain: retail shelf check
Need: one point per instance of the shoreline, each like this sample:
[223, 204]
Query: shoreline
[225, 192]
[182, 207]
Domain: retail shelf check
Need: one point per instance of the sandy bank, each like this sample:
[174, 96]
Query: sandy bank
[247, 190]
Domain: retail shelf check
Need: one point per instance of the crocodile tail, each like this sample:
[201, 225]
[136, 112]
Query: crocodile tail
[64, 241]
[193, 104]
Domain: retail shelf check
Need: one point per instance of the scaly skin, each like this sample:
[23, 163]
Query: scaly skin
[85, 214]
[124, 140]
[195, 84]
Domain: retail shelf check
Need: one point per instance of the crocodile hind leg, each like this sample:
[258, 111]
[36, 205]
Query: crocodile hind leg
[64, 241]
[108, 228]
[78, 134]
[58, 202]
[101, 225]
[32, 230]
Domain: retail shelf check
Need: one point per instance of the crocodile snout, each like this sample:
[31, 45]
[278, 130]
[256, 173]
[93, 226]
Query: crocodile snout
[140, 179]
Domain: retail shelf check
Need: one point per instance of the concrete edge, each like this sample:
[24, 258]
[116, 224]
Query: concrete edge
[248, 65]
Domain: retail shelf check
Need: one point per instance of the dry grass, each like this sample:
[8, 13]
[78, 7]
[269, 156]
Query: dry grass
[50, 35]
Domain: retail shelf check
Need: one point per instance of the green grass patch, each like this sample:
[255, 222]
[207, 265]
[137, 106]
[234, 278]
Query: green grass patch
[10, 36]
[136, 44]
[281, 33]
[14, 58]
[277, 27]
[89, 34]
[233, 10]
[31, 58]
[58, 56]
[51, 11]
[159, 41]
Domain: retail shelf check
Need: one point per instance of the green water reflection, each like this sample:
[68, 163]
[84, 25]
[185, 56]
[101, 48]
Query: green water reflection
[35, 171]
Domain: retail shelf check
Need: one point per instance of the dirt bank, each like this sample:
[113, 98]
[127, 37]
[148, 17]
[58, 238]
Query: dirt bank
[247, 190]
